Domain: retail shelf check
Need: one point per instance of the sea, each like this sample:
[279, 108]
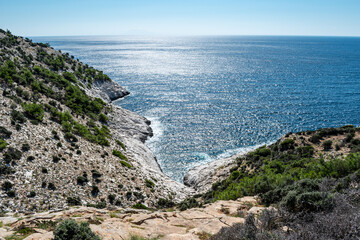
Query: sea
[209, 97]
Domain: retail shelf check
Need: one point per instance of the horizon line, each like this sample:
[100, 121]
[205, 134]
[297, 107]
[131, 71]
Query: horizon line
[195, 35]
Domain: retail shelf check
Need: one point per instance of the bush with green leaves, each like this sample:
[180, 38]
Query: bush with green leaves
[94, 191]
[139, 206]
[99, 205]
[149, 183]
[126, 164]
[188, 203]
[81, 180]
[34, 111]
[287, 144]
[71, 230]
[96, 174]
[122, 145]
[11, 155]
[25, 147]
[165, 203]
[5, 169]
[327, 145]
[73, 201]
[17, 117]
[103, 118]
[4, 133]
[7, 186]
[111, 198]
[119, 155]
[3, 144]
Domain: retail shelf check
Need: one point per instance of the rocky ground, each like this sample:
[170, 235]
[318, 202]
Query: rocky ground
[192, 224]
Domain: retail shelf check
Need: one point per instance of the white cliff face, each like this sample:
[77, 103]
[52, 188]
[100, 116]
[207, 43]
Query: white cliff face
[108, 90]
[133, 130]
[202, 177]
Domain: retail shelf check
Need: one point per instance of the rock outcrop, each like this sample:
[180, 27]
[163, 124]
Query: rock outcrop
[203, 176]
[192, 224]
[108, 90]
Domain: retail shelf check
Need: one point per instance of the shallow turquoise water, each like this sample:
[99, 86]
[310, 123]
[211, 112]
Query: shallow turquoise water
[211, 97]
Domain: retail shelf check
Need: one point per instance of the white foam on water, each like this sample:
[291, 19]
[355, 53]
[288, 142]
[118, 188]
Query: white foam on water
[158, 131]
[205, 158]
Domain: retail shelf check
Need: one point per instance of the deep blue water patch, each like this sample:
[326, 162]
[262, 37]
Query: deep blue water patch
[210, 97]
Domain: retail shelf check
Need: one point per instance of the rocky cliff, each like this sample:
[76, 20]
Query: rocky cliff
[62, 141]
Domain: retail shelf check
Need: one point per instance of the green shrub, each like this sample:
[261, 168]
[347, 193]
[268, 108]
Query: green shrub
[3, 144]
[71, 230]
[4, 133]
[165, 203]
[306, 151]
[11, 193]
[56, 159]
[99, 205]
[349, 137]
[263, 152]
[111, 198]
[31, 194]
[287, 144]
[6, 186]
[139, 206]
[103, 118]
[126, 164]
[188, 203]
[149, 183]
[122, 145]
[81, 180]
[12, 154]
[73, 201]
[307, 201]
[119, 154]
[69, 76]
[34, 111]
[337, 147]
[327, 145]
[94, 191]
[315, 138]
[25, 147]
[235, 175]
[355, 141]
[51, 186]
[96, 174]
[17, 116]
[5, 169]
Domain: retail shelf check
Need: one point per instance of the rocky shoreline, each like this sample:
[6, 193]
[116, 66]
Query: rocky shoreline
[82, 149]
[134, 130]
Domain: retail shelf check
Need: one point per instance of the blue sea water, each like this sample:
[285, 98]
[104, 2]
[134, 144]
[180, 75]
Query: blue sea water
[211, 97]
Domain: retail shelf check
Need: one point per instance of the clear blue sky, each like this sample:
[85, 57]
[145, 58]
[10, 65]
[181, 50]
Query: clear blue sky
[182, 17]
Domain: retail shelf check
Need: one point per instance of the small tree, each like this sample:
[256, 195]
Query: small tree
[327, 145]
[71, 230]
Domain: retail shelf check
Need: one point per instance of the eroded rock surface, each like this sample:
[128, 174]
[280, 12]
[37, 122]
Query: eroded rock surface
[124, 223]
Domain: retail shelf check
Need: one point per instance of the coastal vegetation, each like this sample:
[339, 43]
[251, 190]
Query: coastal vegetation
[314, 194]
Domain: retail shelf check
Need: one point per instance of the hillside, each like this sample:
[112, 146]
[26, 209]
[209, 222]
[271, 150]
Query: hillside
[63, 143]
[311, 178]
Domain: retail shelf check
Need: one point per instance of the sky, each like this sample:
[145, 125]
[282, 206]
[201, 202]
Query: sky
[182, 17]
